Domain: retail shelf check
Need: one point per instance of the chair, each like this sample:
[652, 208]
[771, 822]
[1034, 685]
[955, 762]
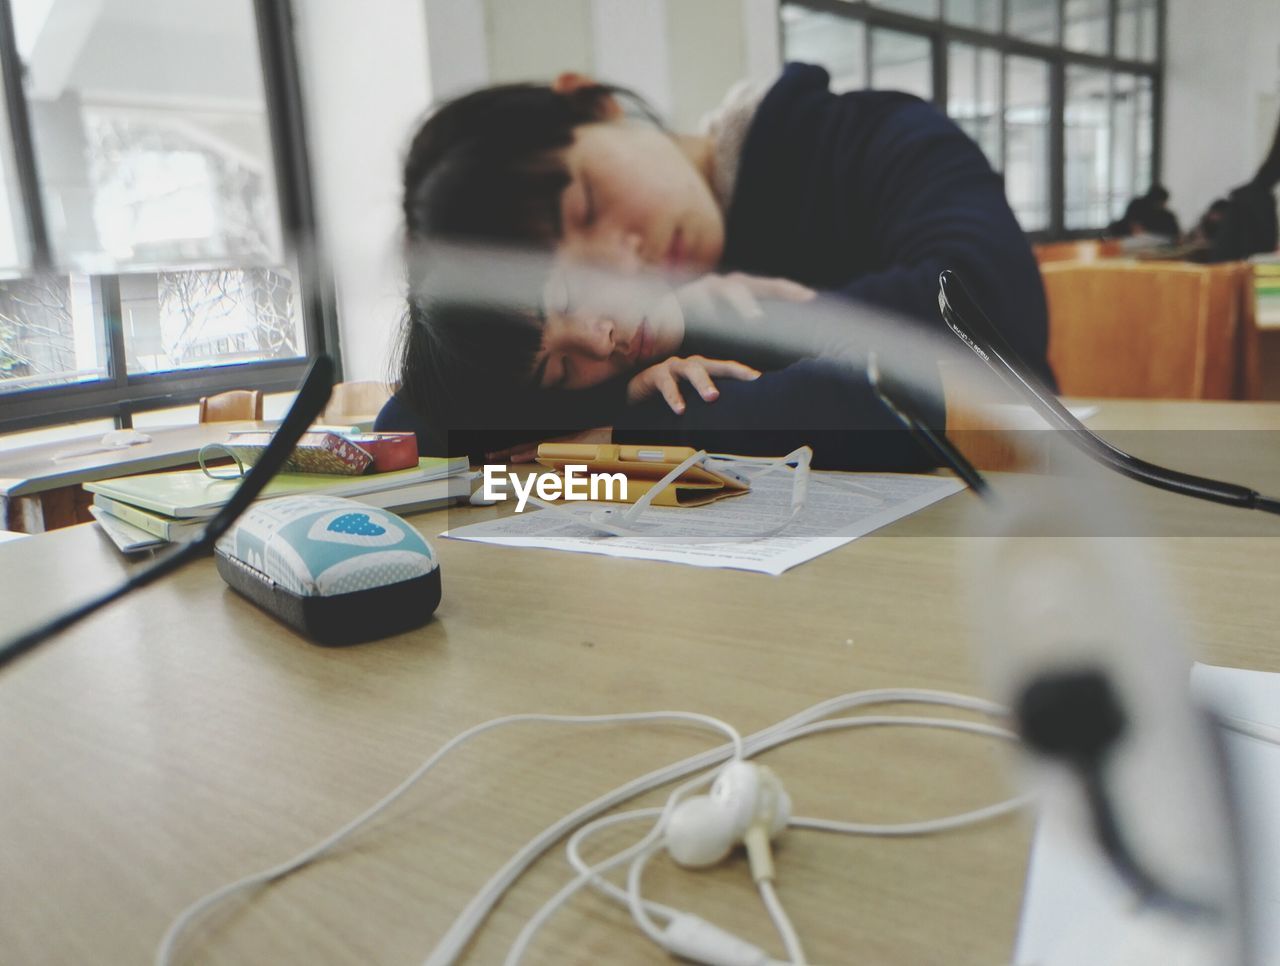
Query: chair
[353, 402]
[233, 406]
[1159, 330]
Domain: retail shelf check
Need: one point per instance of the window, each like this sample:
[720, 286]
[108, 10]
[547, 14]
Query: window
[1087, 147]
[901, 62]
[142, 260]
[1027, 115]
[973, 97]
[836, 42]
[1061, 95]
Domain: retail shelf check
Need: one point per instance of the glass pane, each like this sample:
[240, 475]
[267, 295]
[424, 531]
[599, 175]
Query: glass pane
[973, 96]
[151, 133]
[1132, 142]
[1085, 25]
[1034, 20]
[1026, 140]
[50, 333]
[837, 43]
[1136, 29]
[1087, 147]
[916, 8]
[212, 317]
[1126, 183]
[901, 62]
[15, 253]
[981, 14]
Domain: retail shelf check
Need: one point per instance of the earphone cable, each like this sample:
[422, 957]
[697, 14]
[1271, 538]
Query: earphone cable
[638, 906]
[468, 921]
[168, 943]
[459, 934]
[640, 848]
[782, 922]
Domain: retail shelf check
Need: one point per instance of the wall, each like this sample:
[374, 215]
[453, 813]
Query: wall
[681, 55]
[1222, 97]
[370, 70]
[365, 85]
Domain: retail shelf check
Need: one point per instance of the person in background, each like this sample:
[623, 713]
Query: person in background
[1245, 222]
[1147, 220]
[867, 195]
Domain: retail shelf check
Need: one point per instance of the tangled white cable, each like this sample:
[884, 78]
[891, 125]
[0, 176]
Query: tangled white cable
[684, 935]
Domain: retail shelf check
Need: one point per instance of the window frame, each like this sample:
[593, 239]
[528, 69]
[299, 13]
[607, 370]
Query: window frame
[121, 394]
[942, 33]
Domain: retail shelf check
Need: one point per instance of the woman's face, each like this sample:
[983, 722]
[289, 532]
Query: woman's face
[597, 328]
[637, 198]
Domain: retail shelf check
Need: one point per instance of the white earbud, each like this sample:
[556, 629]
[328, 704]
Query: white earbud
[747, 803]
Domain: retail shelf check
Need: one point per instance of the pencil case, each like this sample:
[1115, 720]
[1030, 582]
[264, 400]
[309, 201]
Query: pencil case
[390, 451]
[315, 453]
[337, 571]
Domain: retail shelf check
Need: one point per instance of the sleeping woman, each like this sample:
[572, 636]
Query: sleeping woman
[787, 191]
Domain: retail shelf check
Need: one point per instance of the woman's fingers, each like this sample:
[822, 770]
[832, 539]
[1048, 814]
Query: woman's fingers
[741, 292]
[664, 378]
[523, 454]
[782, 288]
[669, 386]
[730, 369]
[696, 373]
[734, 291]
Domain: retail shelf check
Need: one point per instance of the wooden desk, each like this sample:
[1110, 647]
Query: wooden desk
[183, 739]
[39, 492]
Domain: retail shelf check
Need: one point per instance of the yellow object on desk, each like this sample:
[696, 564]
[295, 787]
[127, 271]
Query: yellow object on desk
[644, 467]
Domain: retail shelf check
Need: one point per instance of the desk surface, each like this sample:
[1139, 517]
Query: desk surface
[35, 469]
[183, 739]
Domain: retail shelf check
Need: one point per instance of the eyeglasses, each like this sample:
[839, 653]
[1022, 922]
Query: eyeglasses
[966, 319]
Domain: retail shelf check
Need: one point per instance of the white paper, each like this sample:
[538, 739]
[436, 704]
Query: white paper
[1073, 900]
[6, 535]
[719, 534]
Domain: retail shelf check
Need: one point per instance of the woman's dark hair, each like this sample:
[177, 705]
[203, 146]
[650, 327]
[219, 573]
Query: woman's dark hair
[487, 168]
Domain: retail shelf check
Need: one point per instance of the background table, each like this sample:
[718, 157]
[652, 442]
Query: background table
[183, 739]
[39, 492]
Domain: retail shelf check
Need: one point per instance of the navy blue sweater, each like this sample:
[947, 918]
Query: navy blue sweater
[867, 195]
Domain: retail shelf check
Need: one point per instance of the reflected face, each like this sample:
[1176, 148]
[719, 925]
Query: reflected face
[596, 329]
[635, 198]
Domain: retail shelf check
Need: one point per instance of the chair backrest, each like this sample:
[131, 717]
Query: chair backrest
[1164, 330]
[232, 406]
[355, 399]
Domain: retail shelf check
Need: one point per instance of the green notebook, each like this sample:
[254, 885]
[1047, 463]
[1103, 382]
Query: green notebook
[192, 494]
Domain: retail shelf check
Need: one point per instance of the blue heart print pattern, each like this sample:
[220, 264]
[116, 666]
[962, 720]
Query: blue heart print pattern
[358, 528]
[356, 524]
[325, 545]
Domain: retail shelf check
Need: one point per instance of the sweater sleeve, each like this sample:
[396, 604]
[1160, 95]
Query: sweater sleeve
[811, 402]
[942, 207]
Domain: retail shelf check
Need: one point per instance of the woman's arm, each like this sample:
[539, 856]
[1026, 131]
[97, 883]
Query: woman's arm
[813, 402]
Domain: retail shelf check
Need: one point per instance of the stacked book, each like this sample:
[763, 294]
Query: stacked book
[1266, 280]
[139, 512]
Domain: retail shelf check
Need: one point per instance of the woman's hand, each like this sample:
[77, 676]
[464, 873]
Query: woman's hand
[740, 291]
[664, 379]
